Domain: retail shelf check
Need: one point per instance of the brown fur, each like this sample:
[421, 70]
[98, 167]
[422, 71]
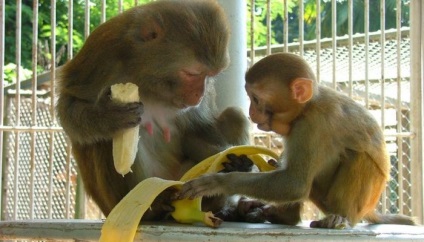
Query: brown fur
[171, 50]
[334, 150]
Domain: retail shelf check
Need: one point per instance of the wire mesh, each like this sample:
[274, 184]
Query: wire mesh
[34, 188]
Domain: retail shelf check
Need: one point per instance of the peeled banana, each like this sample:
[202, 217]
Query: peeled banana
[189, 211]
[125, 143]
[122, 222]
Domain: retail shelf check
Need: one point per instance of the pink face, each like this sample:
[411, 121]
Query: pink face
[268, 107]
[193, 80]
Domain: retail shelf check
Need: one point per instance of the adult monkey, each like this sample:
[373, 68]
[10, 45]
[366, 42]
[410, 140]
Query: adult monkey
[170, 49]
[334, 151]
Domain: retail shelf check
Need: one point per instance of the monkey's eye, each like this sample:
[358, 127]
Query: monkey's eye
[255, 100]
[192, 73]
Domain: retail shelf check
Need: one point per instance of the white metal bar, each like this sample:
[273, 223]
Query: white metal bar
[334, 39]
[70, 29]
[301, 27]
[69, 57]
[382, 60]
[350, 45]
[120, 6]
[228, 94]
[318, 40]
[90, 230]
[400, 134]
[286, 26]
[17, 105]
[383, 95]
[268, 27]
[34, 104]
[327, 42]
[366, 30]
[2, 51]
[68, 180]
[399, 104]
[103, 12]
[52, 98]
[252, 32]
[87, 19]
[417, 77]
[30, 129]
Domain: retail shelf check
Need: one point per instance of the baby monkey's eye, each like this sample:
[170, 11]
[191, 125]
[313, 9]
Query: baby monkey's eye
[192, 73]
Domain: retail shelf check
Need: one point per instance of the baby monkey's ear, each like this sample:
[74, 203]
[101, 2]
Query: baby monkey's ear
[302, 89]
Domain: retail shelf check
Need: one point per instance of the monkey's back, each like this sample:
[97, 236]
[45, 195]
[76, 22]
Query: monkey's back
[344, 124]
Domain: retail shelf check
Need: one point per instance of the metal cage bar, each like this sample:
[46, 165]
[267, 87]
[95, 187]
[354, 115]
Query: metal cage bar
[318, 51]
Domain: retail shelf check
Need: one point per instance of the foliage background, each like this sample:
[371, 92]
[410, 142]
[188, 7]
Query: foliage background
[260, 31]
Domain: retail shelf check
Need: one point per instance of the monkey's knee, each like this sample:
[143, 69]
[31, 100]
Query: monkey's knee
[234, 125]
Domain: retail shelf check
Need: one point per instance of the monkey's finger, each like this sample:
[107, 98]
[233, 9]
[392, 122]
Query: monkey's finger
[191, 190]
[168, 208]
[332, 221]
[247, 204]
[255, 215]
[273, 162]
[237, 163]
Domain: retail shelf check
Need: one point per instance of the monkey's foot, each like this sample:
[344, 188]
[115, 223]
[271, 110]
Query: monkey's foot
[332, 221]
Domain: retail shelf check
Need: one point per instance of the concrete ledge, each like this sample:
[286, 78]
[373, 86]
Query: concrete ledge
[89, 230]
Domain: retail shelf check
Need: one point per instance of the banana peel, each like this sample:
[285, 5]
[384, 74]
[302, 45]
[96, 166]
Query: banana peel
[123, 221]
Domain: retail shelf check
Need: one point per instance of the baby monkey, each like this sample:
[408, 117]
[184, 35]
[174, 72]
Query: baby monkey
[334, 150]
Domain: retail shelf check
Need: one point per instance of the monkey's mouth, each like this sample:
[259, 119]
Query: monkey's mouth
[263, 126]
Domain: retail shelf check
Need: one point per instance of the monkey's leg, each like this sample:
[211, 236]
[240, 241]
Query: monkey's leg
[256, 211]
[86, 158]
[227, 207]
[106, 186]
[283, 213]
[355, 191]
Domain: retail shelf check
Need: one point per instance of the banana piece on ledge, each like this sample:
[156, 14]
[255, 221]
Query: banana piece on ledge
[125, 143]
[123, 221]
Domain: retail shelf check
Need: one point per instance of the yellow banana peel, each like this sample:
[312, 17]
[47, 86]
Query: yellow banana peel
[122, 222]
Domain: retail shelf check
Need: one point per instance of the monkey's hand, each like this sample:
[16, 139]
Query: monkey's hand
[117, 115]
[207, 185]
[237, 163]
[161, 206]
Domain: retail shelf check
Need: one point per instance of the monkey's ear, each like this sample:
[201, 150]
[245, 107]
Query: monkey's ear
[151, 30]
[302, 89]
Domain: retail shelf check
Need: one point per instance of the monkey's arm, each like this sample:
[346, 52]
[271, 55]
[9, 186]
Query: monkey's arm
[292, 183]
[87, 121]
[269, 186]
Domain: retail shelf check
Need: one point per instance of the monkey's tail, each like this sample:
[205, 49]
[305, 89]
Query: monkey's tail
[377, 218]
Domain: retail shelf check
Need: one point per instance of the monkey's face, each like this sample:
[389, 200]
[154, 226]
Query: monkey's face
[271, 106]
[192, 86]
